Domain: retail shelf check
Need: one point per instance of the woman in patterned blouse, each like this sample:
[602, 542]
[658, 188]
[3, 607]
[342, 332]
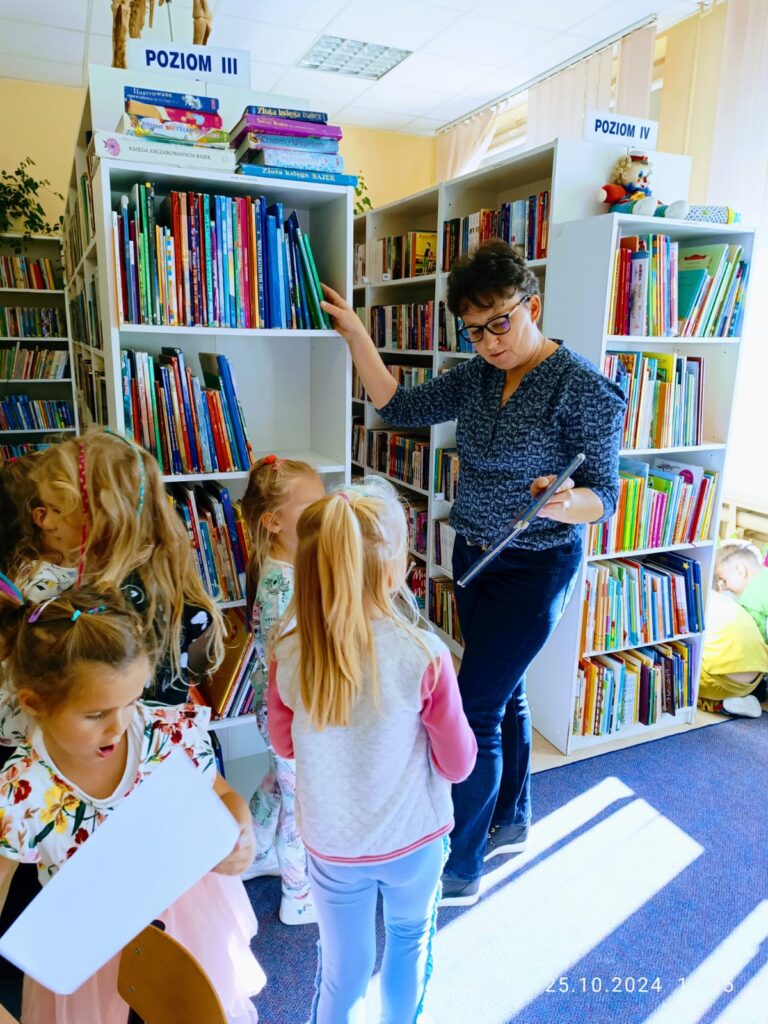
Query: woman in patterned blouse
[522, 410]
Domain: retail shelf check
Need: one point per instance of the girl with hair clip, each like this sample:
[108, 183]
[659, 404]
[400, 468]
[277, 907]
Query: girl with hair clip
[105, 510]
[368, 704]
[278, 491]
[80, 663]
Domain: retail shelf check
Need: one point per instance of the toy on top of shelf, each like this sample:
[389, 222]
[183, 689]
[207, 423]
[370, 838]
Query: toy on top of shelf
[629, 192]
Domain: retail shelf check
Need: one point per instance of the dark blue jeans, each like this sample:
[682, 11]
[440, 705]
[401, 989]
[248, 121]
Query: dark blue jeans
[506, 615]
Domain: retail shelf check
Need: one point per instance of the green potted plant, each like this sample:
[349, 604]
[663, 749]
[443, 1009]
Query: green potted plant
[20, 207]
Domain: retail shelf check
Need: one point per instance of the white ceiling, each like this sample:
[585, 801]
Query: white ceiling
[466, 52]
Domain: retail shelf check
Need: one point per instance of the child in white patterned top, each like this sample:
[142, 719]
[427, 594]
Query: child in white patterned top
[278, 492]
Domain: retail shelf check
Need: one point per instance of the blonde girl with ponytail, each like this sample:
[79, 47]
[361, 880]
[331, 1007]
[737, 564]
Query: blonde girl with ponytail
[368, 705]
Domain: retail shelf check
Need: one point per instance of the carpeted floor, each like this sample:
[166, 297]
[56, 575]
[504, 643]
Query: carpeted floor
[643, 898]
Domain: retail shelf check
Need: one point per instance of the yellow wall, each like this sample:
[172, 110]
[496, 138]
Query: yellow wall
[689, 97]
[393, 164]
[40, 121]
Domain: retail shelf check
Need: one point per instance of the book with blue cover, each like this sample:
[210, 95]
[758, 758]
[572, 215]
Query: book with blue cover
[295, 174]
[178, 100]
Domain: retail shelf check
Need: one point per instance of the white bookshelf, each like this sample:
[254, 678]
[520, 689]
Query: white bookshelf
[293, 386]
[575, 280]
[572, 172]
[32, 247]
[577, 309]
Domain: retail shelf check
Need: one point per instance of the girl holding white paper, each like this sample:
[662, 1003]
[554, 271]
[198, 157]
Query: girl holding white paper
[80, 665]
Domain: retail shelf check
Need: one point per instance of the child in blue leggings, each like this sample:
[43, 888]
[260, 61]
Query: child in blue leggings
[369, 707]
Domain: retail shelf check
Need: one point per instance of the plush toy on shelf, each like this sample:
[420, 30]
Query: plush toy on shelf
[628, 191]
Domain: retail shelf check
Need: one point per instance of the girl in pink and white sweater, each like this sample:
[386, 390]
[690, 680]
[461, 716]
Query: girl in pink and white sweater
[369, 707]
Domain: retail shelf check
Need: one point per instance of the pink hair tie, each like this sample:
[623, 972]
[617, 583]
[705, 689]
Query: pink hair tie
[345, 496]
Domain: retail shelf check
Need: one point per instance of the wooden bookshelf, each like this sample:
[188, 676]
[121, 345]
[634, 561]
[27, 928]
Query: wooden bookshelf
[36, 388]
[293, 385]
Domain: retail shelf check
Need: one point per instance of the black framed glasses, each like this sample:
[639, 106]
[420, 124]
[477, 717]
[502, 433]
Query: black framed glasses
[501, 324]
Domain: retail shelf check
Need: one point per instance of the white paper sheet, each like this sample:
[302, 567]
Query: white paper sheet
[161, 839]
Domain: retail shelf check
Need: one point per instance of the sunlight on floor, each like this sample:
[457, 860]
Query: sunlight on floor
[712, 977]
[557, 909]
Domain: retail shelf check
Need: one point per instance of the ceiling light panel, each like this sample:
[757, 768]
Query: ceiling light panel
[353, 57]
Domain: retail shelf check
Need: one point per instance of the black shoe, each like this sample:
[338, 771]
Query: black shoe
[506, 839]
[458, 893]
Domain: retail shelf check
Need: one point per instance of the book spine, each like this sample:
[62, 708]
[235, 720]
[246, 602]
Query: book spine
[295, 174]
[289, 114]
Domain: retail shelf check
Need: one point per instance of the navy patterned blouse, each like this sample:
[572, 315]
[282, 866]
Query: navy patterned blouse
[561, 407]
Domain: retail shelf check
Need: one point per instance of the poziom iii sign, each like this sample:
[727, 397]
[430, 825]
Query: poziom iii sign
[208, 63]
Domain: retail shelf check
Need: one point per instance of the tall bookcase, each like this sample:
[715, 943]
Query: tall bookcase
[293, 385]
[578, 309]
[45, 340]
[575, 279]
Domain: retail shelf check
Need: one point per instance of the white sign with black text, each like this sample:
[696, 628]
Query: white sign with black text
[600, 126]
[208, 63]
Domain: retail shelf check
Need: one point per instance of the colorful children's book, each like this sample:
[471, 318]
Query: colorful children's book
[296, 174]
[281, 126]
[289, 114]
[185, 101]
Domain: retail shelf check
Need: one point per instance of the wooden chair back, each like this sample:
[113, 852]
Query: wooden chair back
[164, 984]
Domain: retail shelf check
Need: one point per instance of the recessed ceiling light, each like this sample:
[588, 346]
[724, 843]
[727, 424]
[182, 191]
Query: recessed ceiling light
[352, 57]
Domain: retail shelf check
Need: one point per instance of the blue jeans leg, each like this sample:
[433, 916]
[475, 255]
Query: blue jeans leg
[345, 898]
[506, 615]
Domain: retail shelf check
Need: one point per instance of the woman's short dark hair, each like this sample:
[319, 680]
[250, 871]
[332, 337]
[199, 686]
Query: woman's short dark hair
[494, 270]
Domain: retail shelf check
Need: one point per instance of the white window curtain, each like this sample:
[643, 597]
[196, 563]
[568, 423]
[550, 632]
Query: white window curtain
[462, 149]
[738, 178]
[633, 86]
[556, 106]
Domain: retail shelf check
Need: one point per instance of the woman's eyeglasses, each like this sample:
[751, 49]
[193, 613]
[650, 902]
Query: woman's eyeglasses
[497, 325]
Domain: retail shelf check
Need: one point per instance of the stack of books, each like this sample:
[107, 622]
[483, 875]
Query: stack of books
[406, 327]
[403, 457]
[661, 503]
[616, 691]
[27, 322]
[20, 272]
[358, 390]
[418, 522]
[448, 339]
[444, 537]
[665, 397]
[446, 474]
[271, 142]
[442, 607]
[180, 118]
[399, 257]
[228, 691]
[213, 261]
[188, 428]
[632, 602]
[18, 412]
[523, 223]
[217, 535]
[662, 289]
[19, 363]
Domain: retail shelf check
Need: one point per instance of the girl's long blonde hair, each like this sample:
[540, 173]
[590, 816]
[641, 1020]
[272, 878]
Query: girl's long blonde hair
[131, 527]
[268, 492]
[350, 568]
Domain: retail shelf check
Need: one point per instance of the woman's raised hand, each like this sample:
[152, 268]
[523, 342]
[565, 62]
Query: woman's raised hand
[345, 319]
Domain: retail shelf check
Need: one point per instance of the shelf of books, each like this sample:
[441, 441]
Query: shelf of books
[658, 306]
[211, 345]
[36, 389]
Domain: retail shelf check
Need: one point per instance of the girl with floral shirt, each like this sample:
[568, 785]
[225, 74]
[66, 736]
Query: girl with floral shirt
[85, 742]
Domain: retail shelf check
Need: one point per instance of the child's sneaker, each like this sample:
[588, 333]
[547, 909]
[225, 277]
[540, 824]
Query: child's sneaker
[297, 910]
[261, 865]
[748, 706]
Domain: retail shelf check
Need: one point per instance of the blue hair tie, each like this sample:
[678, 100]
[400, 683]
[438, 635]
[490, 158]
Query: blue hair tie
[76, 615]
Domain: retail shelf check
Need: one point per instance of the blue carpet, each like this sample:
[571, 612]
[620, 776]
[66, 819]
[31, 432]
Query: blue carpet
[643, 898]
